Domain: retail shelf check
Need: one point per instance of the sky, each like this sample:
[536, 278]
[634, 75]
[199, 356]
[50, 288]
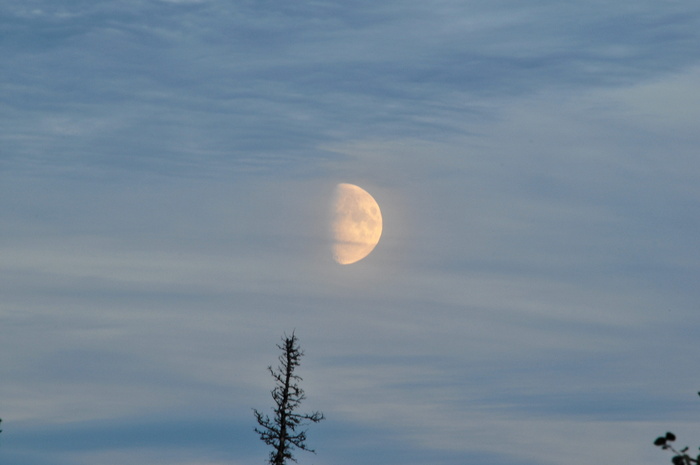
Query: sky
[166, 173]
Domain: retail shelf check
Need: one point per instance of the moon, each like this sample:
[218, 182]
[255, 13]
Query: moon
[357, 224]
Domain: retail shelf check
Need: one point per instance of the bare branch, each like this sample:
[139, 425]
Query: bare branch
[280, 432]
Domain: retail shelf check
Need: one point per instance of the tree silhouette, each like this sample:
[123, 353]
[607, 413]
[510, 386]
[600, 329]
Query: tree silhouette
[282, 432]
[681, 457]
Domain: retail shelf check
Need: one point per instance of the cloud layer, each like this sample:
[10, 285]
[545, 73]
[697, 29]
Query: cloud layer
[166, 174]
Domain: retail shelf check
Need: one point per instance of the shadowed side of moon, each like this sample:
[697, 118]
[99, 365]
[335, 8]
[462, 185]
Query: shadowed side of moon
[357, 224]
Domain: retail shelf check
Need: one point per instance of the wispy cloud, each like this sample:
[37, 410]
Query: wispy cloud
[165, 173]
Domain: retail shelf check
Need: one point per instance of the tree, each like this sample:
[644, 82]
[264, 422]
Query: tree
[681, 457]
[283, 432]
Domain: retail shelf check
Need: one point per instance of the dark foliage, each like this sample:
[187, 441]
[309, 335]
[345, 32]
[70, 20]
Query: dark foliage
[682, 457]
[283, 431]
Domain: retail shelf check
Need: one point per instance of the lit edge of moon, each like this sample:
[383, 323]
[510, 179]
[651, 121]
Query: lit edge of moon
[357, 224]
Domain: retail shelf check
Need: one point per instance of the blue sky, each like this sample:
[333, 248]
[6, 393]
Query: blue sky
[166, 170]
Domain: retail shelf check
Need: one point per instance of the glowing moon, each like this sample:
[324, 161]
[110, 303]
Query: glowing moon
[357, 224]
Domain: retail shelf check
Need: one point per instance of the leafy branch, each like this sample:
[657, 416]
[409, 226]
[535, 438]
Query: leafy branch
[681, 457]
